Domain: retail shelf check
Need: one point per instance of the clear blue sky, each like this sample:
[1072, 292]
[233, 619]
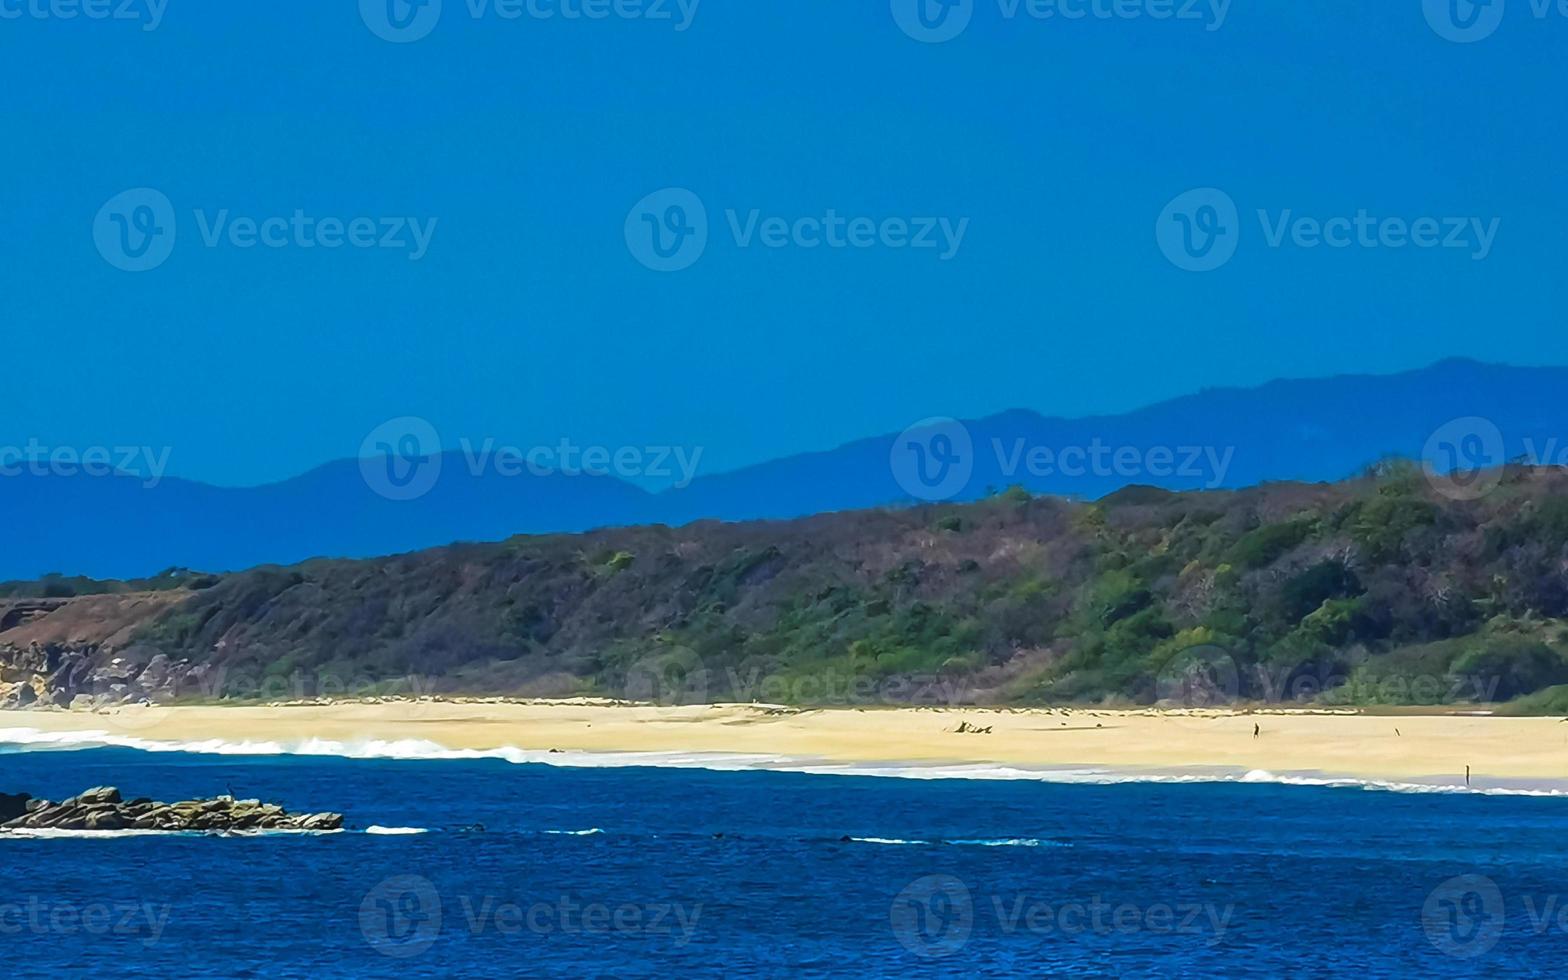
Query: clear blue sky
[529, 319]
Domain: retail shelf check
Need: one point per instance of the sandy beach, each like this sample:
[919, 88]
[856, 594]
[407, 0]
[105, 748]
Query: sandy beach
[1425, 748]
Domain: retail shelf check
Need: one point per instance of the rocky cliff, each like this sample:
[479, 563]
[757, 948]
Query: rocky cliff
[81, 651]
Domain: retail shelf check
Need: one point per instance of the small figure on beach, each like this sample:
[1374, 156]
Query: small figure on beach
[1256, 731]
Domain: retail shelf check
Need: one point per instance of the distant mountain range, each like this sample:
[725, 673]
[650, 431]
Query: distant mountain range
[1312, 430]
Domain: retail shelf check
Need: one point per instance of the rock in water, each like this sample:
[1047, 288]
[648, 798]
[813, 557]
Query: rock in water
[102, 809]
[12, 807]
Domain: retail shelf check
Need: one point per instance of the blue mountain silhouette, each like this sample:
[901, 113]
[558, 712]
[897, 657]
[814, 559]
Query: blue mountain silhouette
[1308, 430]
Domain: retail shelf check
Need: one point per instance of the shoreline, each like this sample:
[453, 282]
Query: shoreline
[1414, 752]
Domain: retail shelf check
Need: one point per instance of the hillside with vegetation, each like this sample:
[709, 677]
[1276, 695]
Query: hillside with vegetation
[1372, 591]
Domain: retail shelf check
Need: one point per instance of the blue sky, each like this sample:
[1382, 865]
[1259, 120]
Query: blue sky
[1055, 143]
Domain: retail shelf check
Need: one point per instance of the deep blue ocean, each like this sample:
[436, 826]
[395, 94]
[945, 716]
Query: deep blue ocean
[669, 872]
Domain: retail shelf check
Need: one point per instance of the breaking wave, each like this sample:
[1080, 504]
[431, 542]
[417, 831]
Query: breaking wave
[31, 739]
[983, 842]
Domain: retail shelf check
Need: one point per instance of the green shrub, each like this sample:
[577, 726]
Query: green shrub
[1265, 545]
[1381, 524]
[1509, 666]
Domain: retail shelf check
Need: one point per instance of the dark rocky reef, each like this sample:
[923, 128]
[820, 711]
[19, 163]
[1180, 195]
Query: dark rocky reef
[102, 808]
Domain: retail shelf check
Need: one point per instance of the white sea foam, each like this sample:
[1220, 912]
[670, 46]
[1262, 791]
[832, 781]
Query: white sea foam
[52, 833]
[981, 842]
[886, 840]
[576, 833]
[1394, 786]
[381, 831]
[31, 739]
[1009, 842]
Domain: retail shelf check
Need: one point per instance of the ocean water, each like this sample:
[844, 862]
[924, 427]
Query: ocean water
[489, 868]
